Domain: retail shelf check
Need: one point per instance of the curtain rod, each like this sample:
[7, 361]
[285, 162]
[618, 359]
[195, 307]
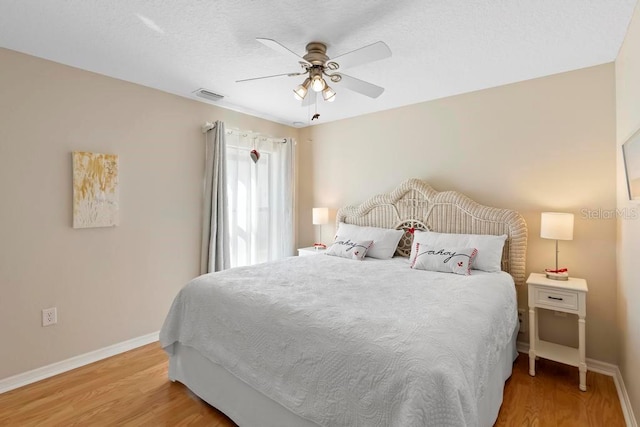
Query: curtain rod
[208, 126]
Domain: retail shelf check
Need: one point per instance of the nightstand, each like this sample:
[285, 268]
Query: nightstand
[568, 296]
[310, 251]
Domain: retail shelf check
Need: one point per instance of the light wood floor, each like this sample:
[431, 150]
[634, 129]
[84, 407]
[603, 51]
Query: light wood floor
[132, 389]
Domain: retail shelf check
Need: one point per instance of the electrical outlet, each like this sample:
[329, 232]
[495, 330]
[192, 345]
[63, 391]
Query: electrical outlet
[522, 318]
[49, 316]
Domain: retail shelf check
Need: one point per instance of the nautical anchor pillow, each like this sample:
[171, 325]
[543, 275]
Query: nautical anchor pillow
[347, 248]
[446, 260]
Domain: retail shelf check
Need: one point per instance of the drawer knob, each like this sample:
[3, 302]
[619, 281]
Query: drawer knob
[555, 298]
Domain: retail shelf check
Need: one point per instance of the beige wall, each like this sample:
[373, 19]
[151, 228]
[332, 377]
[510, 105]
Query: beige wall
[628, 121]
[109, 284]
[544, 144]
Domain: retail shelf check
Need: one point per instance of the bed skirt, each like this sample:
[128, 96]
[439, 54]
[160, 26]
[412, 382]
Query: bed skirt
[250, 408]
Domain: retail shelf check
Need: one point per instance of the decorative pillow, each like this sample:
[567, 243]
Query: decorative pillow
[347, 248]
[446, 260]
[385, 240]
[489, 247]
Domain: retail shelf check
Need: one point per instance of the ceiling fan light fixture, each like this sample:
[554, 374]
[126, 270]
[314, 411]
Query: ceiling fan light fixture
[329, 94]
[318, 83]
[316, 65]
[301, 91]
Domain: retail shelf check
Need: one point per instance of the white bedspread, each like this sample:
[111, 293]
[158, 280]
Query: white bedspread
[352, 343]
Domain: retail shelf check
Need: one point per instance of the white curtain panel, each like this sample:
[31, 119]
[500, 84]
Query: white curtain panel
[261, 217]
[285, 200]
[215, 227]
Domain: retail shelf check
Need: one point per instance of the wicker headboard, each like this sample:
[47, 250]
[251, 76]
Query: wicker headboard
[415, 205]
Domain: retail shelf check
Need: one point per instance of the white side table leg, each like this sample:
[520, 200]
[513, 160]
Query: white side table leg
[582, 365]
[533, 333]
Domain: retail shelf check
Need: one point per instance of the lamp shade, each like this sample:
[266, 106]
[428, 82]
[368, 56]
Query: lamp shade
[329, 94]
[301, 91]
[556, 225]
[320, 216]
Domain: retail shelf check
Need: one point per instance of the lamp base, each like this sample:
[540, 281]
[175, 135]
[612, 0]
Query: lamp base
[561, 274]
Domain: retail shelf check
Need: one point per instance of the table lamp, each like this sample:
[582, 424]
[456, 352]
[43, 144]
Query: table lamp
[320, 217]
[557, 226]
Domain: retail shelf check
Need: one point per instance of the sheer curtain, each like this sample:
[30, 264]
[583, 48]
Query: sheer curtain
[260, 194]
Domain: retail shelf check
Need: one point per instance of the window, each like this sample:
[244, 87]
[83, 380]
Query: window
[260, 199]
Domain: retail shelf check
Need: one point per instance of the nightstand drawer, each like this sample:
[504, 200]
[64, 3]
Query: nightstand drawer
[561, 299]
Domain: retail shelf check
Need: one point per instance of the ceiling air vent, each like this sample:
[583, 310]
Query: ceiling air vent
[207, 94]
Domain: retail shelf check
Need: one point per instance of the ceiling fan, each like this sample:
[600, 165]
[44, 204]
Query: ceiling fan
[316, 65]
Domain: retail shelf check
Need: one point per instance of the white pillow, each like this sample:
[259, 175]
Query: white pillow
[447, 260]
[385, 240]
[347, 248]
[489, 257]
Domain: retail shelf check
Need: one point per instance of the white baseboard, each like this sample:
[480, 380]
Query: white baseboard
[624, 400]
[38, 374]
[605, 369]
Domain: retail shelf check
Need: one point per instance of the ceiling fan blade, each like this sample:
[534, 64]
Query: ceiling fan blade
[310, 99]
[364, 55]
[360, 86]
[268, 77]
[282, 49]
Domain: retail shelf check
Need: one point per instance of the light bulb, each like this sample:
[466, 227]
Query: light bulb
[329, 94]
[317, 84]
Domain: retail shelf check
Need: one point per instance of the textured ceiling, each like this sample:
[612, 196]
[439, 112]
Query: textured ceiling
[440, 47]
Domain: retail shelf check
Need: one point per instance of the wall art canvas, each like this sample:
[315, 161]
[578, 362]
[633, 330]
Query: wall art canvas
[631, 153]
[95, 190]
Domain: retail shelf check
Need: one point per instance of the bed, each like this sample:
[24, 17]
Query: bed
[328, 341]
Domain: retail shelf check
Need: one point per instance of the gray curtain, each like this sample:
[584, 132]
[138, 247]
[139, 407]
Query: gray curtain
[215, 226]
